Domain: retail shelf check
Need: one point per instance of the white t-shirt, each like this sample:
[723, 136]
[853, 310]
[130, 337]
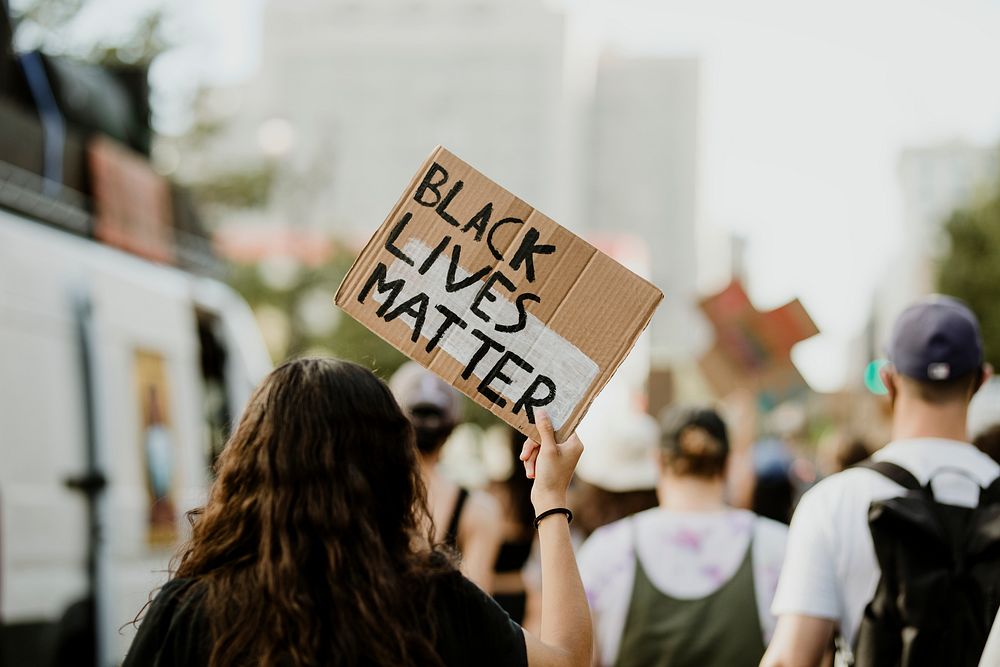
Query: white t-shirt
[991, 654]
[831, 570]
[687, 555]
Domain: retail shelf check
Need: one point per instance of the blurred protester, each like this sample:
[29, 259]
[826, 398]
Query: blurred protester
[689, 583]
[984, 419]
[838, 451]
[774, 491]
[740, 412]
[988, 442]
[314, 547]
[617, 477]
[468, 521]
[871, 550]
[518, 534]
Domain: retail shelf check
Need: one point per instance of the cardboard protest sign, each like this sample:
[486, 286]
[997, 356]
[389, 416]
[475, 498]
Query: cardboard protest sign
[512, 309]
[753, 349]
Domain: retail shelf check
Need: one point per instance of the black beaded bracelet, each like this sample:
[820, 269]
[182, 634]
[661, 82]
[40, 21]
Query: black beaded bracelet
[554, 510]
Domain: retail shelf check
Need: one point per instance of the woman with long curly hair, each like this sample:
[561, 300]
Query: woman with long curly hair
[316, 548]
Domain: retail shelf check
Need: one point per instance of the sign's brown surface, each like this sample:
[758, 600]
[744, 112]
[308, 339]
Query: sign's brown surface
[511, 308]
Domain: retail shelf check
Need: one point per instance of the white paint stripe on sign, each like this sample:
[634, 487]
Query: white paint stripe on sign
[549, 354]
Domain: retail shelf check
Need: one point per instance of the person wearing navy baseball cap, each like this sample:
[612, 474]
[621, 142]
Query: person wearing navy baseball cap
[867, 546]
[936, 341]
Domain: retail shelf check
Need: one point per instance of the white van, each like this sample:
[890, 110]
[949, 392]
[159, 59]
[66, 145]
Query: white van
[77, 322]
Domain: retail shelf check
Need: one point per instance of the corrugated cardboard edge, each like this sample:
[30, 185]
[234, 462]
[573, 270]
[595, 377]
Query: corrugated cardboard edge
[599, 383]
[564, 433]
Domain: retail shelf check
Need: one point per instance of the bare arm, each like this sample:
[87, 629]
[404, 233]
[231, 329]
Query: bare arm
[741, 414]
[479, 537]
[565, 638]
[799, 641]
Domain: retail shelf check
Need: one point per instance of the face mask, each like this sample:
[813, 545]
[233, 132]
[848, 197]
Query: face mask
[429, 440]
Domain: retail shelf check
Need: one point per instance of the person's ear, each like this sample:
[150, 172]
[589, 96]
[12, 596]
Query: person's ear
[984, 375]
[888, 378]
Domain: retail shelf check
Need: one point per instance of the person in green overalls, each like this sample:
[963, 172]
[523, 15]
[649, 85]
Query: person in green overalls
[688, 583]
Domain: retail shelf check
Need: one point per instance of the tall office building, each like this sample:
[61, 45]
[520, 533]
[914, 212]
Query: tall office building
[642, 180]
[354, 94]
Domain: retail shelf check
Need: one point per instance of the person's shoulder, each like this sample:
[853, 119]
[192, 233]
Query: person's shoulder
[841, 501]
[180, 592]
[458, 599]
[180, 586]
[924, 457]
[453, 586]
[615, 534]
[453, 593]
[173, 629]
[770, 540]
[840, 486]
[178, 602]
[472, 627]
[769, 529]
[602, 549]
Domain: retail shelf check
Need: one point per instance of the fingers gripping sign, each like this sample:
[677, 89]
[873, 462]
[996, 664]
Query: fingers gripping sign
[551, 465]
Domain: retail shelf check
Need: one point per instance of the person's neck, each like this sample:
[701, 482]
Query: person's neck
[917, 419]
[691, 494]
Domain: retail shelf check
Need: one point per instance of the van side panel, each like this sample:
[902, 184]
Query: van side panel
[136, 306]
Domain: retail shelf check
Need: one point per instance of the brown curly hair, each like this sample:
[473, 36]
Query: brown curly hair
[313, 548]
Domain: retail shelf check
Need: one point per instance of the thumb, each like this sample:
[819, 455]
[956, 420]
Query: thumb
[572, 448]
[546, 438]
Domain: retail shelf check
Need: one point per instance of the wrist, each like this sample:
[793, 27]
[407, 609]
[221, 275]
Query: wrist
[548, 501]
[556, 511]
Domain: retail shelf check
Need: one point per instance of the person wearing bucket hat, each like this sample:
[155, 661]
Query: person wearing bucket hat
[464, 520]
[617, 476]
[687, 583]
[859, 553]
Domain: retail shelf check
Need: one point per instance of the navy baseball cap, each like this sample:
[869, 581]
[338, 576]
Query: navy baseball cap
[936, 339]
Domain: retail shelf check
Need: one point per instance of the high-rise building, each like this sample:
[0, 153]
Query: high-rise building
[642, 179]
[353, 95]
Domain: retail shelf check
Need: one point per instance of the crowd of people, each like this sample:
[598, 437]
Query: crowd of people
[331, 537]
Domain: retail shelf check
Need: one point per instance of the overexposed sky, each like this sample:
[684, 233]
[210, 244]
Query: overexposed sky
[805, 107]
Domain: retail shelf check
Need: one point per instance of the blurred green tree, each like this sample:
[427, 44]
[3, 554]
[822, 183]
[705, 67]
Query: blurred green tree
[303, 305]
[311, 321]
[971, 268]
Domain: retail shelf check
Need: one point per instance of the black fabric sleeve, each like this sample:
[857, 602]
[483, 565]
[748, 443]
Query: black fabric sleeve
[481, 632]
[174, 631]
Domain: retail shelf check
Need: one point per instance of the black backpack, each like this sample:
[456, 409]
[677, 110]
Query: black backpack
[940, 586]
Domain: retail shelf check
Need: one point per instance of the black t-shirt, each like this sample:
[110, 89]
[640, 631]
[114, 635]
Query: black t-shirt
[472, 629]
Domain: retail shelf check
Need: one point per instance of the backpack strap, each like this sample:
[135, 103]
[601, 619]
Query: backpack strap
[896, 473]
